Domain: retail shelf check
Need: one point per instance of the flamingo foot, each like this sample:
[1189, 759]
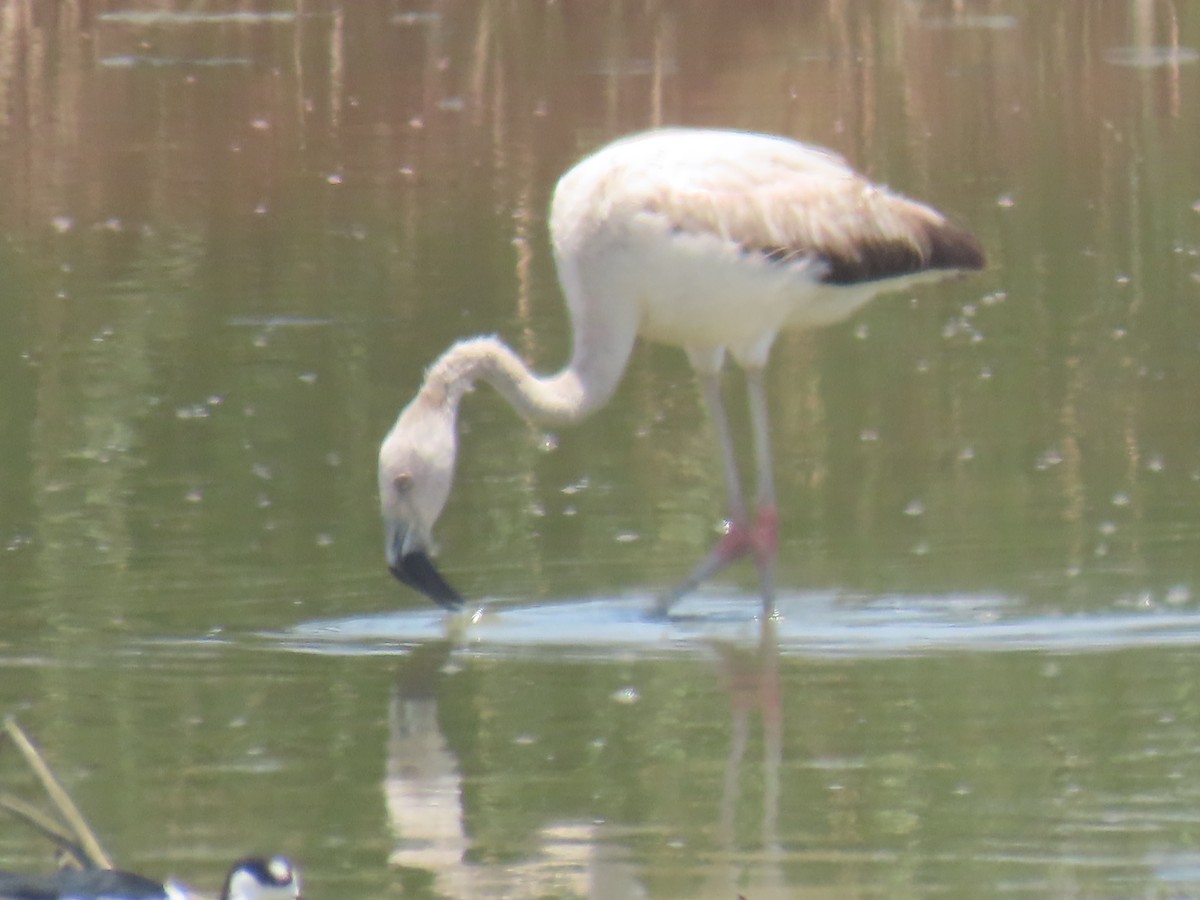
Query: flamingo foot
[759, 539]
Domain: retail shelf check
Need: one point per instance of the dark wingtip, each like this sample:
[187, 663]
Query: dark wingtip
[954, 247]
[418, 572]
[944, 246]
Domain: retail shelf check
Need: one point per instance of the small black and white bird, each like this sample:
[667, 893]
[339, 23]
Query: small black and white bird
[252, 878]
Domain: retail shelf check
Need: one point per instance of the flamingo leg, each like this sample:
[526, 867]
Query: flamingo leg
[723, 553]
[710, 383]
[764, 535]
[742, 538]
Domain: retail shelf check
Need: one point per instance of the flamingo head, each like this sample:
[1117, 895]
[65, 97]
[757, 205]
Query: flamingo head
[416, 470]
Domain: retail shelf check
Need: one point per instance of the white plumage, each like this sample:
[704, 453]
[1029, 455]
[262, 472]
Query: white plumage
[712, 241]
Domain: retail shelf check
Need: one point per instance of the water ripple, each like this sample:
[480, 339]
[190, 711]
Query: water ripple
[810, 624]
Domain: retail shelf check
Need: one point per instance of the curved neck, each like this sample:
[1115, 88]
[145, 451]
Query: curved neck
[567, 396]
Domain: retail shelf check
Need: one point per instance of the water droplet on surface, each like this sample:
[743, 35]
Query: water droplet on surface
[626, 696]
[914, 508]
[627, 537]
[1005, 201]
[309, 377]
[572, 489]
[1048, 459]
[334, 179]
[18, 541]
[1120, 498]
[868, 435]
[62, 224]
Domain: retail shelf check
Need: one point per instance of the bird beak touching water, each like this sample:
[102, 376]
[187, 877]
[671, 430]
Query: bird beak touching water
[416, 569]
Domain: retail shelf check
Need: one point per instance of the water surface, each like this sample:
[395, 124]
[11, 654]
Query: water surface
[233, 237]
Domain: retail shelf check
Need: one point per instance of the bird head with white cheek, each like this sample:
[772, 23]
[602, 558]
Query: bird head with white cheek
[259, 878]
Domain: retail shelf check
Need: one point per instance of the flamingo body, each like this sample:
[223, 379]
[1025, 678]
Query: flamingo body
[712, 241]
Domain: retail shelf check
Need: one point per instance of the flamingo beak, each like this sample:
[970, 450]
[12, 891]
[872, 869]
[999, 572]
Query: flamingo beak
[416, 570]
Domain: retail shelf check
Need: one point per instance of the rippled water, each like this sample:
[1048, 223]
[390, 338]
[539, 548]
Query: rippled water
[234, 238]
[810, 625]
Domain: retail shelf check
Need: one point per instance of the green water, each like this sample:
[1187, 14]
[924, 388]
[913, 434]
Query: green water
[232, 236]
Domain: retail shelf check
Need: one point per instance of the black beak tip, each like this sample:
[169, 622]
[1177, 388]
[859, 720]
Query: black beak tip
[418, 572]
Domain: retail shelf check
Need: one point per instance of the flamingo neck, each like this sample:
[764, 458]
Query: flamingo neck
[567, 396]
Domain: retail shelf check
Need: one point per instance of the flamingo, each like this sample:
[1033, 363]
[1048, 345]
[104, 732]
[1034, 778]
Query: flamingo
[709, 240]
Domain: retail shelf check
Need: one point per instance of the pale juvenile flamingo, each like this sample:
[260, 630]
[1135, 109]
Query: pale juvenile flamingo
[713, 241]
